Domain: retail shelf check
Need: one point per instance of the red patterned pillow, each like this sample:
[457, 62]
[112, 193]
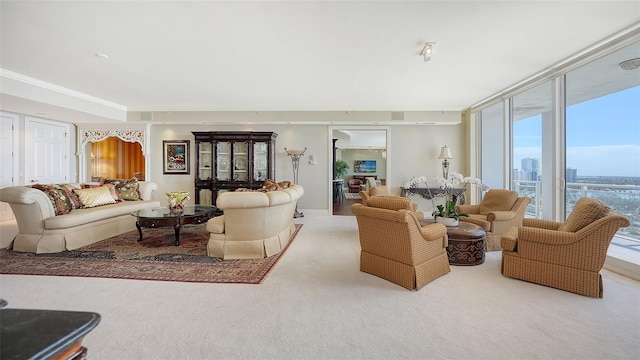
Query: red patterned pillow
[59, 199]
[73, 197]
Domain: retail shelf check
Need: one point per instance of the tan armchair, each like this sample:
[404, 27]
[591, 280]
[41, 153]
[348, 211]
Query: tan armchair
[394, 245]
[382, 190]
[567, 256]
[497, 212]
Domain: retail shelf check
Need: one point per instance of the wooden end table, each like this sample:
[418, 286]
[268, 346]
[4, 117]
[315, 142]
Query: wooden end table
[163, 217]
[466, 243]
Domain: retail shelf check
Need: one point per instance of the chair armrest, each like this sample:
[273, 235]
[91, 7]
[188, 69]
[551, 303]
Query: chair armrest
[468, 209]
[216, 225]
[501, 215]
[546, 236]
[432, 232]
[485, 225]
[509, 239]
[541, 224]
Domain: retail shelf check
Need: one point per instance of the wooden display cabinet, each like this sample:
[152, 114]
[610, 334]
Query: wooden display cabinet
[228, 160]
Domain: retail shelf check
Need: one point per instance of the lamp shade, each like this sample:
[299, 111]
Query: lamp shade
[294, 152]
[445, 153]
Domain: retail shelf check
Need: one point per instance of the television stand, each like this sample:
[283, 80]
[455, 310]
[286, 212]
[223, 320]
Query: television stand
[362, 177]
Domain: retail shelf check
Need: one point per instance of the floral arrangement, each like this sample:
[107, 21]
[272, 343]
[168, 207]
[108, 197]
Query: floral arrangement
[455, 180]
[416, 182]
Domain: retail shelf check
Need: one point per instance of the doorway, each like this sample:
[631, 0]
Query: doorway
[365, 152]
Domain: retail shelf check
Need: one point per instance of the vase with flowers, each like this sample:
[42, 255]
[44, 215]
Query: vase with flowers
[447, 214]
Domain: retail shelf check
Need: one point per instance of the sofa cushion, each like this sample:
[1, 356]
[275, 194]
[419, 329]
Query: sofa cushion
[498, 200]
[59, 199]
[127, 190]
[93, 197]
[84, 216]
[585, 211]
[75, 199]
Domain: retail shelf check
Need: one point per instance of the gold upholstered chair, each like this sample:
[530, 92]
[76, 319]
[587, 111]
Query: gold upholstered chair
[497, 212]
[383, 190]
[396, 247]
[567, 256]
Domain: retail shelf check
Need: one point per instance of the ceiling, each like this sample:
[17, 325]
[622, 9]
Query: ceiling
[283, 56]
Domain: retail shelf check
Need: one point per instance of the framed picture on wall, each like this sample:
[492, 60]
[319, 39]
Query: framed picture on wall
[176, 156]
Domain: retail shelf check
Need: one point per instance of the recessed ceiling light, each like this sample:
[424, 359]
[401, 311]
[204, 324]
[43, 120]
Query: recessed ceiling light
[630, 64]
[101, 56]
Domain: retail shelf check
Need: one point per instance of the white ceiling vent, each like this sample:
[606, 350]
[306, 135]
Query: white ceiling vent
[397, 115]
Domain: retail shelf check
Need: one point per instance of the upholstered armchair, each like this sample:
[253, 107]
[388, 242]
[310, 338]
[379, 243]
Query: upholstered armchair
[382, 190]
[354, 185]
[394, 245]
[497, 212]
[567, 256]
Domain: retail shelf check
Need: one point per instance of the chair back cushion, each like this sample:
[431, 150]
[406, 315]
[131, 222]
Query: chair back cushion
[380, 190]
[585, 211]
[394, 203]
[498, 200]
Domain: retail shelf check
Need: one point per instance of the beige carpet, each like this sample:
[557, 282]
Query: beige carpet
[316, 304]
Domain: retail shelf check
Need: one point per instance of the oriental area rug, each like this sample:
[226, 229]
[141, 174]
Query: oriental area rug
[155, 258]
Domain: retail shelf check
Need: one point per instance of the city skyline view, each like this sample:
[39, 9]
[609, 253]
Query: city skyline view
[603, 136]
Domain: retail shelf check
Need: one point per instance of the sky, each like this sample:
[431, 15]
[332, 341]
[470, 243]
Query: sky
[603, 136]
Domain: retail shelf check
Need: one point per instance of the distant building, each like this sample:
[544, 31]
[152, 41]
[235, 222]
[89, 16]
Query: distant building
[530, 169]
[571, 175]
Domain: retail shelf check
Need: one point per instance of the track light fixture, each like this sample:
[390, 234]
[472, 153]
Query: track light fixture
[427, 50]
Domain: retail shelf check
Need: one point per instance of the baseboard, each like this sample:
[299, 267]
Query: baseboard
[622, 267]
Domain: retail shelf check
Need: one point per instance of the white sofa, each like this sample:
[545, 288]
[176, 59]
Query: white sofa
[40, 230]
[254, 225]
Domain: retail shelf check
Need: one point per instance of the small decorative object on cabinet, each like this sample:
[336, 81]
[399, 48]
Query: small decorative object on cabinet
[229, 160]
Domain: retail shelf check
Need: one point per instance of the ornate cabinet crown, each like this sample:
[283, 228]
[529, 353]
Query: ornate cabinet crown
[229, 160]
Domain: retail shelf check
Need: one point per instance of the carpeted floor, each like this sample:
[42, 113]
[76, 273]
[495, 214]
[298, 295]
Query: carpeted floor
[155, 258]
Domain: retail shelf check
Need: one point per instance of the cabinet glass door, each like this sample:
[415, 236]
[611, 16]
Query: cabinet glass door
[260, 161]
[240, 161]
[205, 155]
[223, 159]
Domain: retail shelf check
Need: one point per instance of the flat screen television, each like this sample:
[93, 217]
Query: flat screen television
[364, 166]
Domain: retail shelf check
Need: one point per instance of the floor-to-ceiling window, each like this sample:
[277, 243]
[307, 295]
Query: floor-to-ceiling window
[531, 114]
[603, 138]
[493, 153]
[577, 134]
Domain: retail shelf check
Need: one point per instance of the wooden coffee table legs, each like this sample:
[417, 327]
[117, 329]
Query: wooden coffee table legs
[175, 222]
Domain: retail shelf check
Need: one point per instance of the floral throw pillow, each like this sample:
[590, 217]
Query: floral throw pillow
[61, 203]
[126, 189]
[75, 200]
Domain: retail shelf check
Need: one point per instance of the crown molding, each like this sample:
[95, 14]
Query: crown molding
[59, 89]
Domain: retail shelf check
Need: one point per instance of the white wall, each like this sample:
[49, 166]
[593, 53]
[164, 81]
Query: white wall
[313, 178]
[413, 151]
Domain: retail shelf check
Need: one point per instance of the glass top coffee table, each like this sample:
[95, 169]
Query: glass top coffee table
[163, 217]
